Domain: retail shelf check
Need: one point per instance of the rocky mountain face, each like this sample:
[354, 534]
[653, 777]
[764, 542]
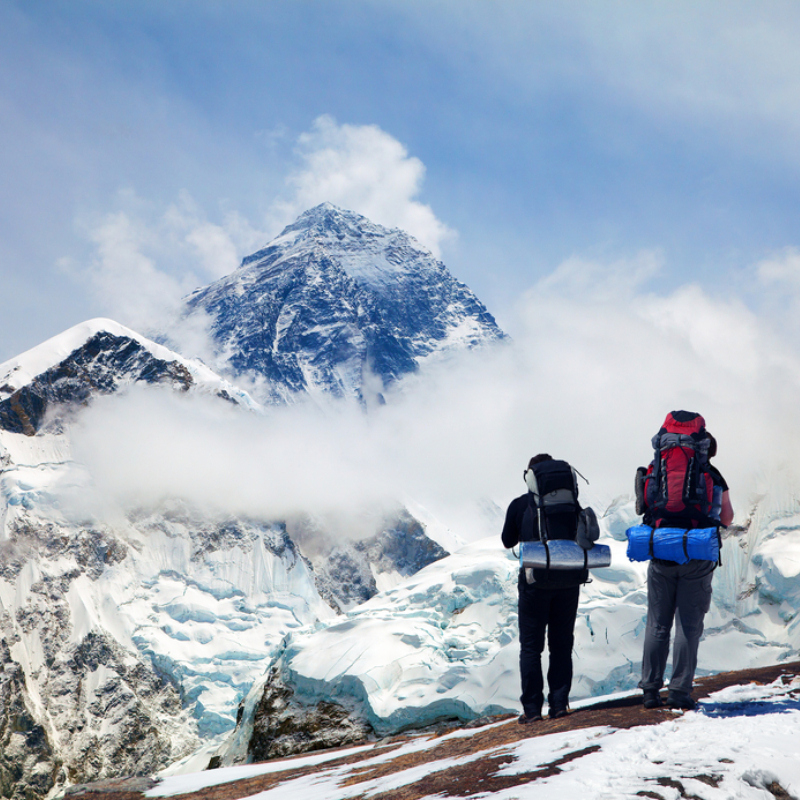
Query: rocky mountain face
[78, 701]
[125, 646]
[98, 357]
[348, 572]
[335, 302]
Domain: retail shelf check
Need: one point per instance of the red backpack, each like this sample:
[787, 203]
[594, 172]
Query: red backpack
[678, 487]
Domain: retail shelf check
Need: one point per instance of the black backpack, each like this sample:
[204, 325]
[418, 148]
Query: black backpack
[554, 512]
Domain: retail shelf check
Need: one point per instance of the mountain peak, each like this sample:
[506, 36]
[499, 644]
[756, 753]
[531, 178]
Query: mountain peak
[335, 229]
[336, 300]
[98, 356]
[328, 217]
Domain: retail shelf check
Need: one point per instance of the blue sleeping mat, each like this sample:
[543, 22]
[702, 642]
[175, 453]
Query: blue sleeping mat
[672, 544]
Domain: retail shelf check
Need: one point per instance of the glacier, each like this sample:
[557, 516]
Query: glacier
[443, 645]
[148, 629]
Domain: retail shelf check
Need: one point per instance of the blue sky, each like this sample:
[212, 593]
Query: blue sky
[153, 144]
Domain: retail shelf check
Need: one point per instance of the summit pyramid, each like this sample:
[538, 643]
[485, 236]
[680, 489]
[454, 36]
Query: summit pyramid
[335, 299]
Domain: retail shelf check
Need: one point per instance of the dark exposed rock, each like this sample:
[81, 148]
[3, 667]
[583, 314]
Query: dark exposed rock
[99, 366]
[210, 533]
[117, 721]
[28, 765]
[282, 726]
[345, 576]
[93, 549]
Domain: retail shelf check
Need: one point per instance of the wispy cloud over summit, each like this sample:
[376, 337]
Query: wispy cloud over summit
[364, 169]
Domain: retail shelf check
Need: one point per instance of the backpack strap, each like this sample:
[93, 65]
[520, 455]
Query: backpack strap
[533, 490]
[527, 523]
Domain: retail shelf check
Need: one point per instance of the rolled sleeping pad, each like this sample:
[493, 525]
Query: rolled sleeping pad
[563, 554]
[672, 544]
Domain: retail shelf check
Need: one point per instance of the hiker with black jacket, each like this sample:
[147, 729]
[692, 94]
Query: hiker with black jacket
[548, 604]
[680, 490]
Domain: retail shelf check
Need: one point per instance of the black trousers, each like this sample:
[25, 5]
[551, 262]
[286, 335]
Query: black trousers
[552, 611]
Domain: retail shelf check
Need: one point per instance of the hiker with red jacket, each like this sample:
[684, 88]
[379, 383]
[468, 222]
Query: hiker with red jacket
[681, 494]
[549, 602]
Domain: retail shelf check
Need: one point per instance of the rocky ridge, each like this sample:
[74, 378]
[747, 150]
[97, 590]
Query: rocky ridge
[43, 388]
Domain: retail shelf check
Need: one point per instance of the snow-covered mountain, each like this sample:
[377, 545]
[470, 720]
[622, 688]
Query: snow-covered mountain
[339, 304]
[97, 357]
[128, 637]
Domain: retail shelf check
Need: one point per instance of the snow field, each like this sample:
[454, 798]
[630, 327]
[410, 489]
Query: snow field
[741, 738]
[738, 742]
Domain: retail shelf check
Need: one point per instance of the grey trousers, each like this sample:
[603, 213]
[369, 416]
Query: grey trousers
[681, 592]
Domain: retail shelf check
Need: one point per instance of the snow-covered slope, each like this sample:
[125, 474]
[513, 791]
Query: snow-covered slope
[339, 304]
[99, 356]
[740, 742]
[444, 643]
[127, 638]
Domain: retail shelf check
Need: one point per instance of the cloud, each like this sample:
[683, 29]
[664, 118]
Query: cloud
[781, 269]
[589, 377]
[621, 278]
[364, 169]
[124, 279]
[776, 290]
[146, 259]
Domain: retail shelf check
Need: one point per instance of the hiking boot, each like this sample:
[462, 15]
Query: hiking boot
[651, 698]
[526, 719]
[557, 713]
[680, 700]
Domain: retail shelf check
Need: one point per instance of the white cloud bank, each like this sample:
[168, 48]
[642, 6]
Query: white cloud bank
[146, 260]
[363, 169]
[595, 365]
